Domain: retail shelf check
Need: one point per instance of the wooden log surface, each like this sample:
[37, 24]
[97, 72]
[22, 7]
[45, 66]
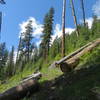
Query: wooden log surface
[25, 87]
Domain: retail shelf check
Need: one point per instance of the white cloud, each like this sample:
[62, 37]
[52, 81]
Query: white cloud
[58, 31]
[96, 8]
[90, 22]
[15, 56]
[38, 42]
[37, 28]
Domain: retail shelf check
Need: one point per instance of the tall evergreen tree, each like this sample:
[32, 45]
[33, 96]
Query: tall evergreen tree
[96, 26]
[47, 31]
[27, 40]
[3, 58]
[11, 69]
[25, 46]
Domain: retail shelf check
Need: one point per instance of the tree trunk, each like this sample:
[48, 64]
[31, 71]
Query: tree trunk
[0, 23]
[75, 19]
[82, 3]
[28, 50]
[63, 28]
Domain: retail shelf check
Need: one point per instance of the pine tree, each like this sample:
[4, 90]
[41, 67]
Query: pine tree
[11, 67]
[42, 49]
[3, 59]
[25, 43]
[20, 54]
[47, 31]
[55, 47]
[96, 26]
[27, 40]
[25, 47]
[35, 54]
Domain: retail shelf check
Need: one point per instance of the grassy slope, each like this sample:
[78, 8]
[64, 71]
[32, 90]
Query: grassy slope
[47, 74]
[76, 85]
[15, 80]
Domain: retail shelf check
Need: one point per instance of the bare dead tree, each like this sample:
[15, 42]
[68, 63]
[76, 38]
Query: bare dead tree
[63, 28]
[83, 10]
[74, 16]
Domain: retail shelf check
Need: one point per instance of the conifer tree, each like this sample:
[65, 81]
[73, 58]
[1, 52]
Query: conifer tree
[47, 31]
[25, 43]
[27, 40]
[11, 69]
[3, 58]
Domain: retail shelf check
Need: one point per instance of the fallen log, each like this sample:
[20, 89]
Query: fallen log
[74, 61]
[79, 50]
[71, 61]
[26, 87]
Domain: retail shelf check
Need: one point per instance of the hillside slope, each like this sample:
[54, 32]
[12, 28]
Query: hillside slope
[76, 85]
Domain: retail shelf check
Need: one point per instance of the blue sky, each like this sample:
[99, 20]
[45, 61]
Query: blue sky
[16, 12]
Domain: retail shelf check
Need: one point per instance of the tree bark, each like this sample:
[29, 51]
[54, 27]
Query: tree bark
[83, 10]
[63, 28]
[74, 16]
[0, 23]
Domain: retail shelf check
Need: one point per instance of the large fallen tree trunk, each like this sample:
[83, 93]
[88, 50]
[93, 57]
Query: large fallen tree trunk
[71, 61]
[26, 87]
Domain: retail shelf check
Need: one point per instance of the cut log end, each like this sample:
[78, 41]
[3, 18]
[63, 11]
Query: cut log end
[65, 67]
[69, 66]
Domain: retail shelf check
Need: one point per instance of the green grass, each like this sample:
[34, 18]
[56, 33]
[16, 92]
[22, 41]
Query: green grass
[71, 45]
[47, 74]
[78, 85]
[15, 80]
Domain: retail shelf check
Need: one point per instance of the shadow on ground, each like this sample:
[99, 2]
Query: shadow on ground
[76, 85]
